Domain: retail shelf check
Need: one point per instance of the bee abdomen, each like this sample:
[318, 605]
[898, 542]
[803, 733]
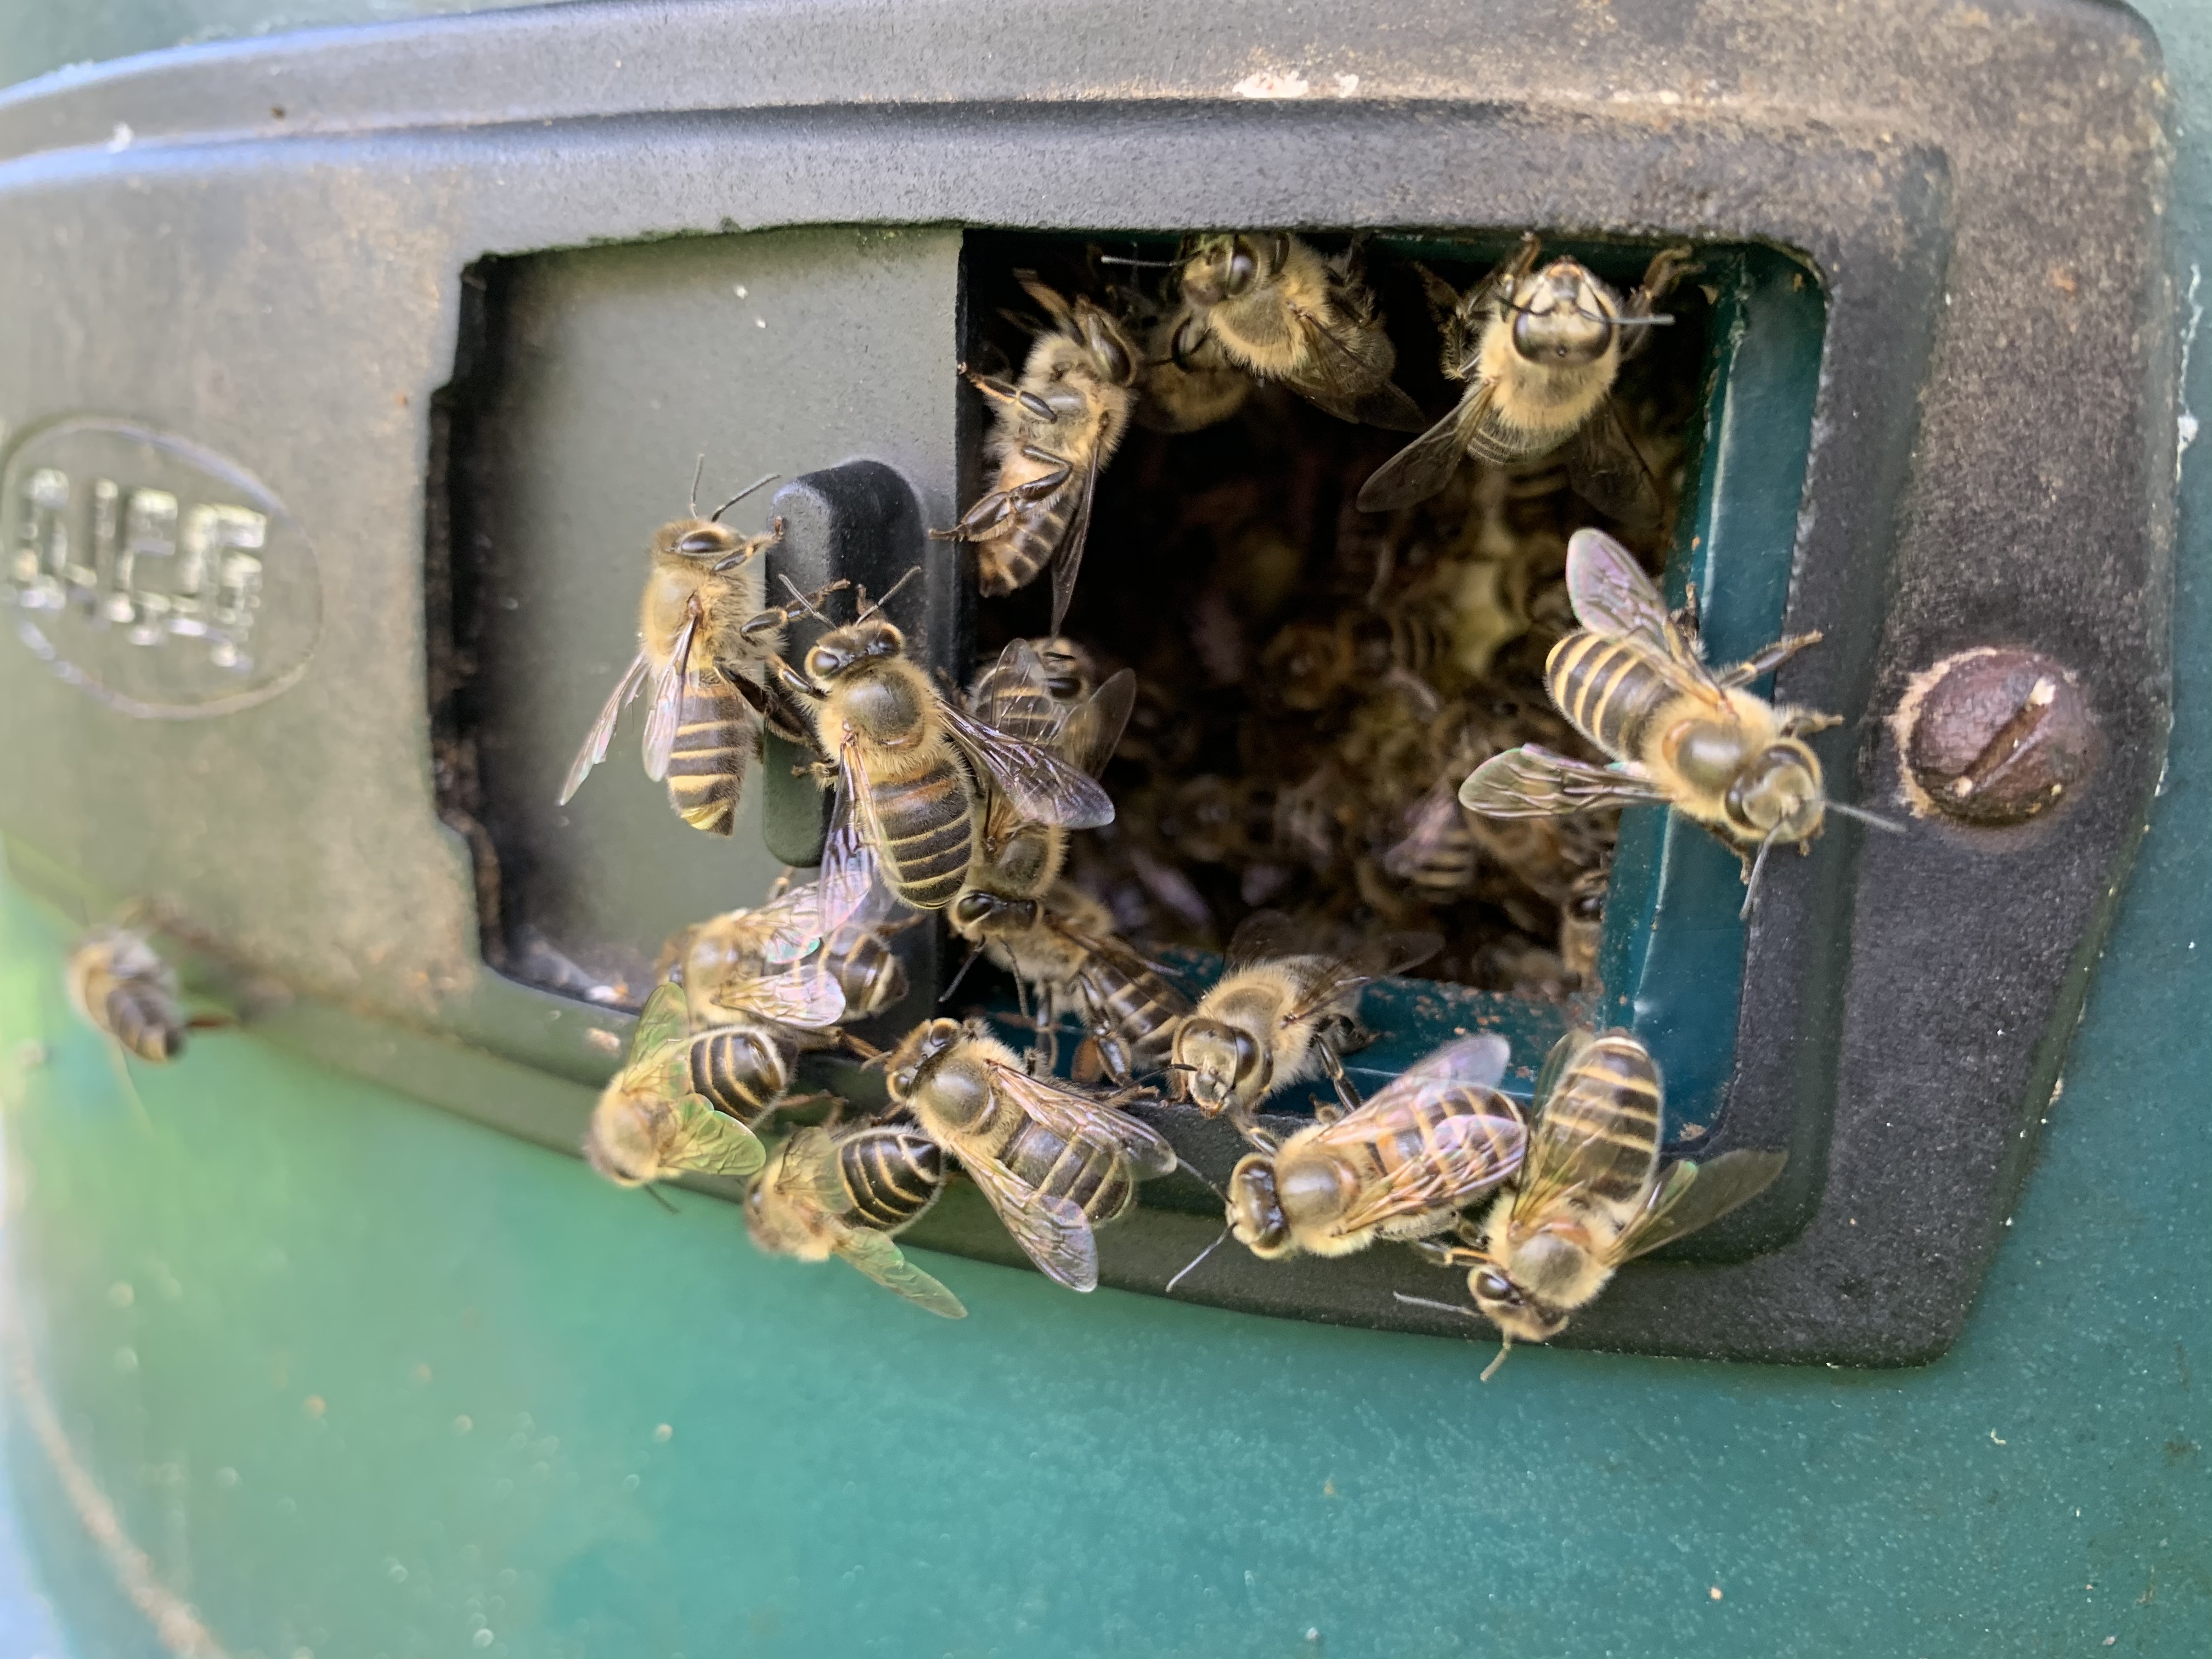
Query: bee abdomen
[929, 835]
[740, 1069]
[1612, 1094]
[1013, 559]
[890, 1174]
[1609, 688]
[1141, 1008]
[714, 741]
[143, 1020]
[1092, 1178]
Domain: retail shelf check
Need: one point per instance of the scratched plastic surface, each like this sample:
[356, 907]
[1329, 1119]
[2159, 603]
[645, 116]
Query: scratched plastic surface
[265, 1375]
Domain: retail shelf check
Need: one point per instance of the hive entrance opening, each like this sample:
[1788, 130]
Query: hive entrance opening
[1315, 680]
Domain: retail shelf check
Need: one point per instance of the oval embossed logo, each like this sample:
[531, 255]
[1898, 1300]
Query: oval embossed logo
[158, 577]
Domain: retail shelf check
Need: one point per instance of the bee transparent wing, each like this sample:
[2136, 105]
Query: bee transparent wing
[1393, 953]
[1037, 783]
[666, 712]
[790, 924]
[1331, 375]
[1014, 700]
[848, 850]
[1692, 1195]
[1425, 465]
[1468, 1155]
[805, 997]
[1470, 1062]
[1564, 1154]
[1264, 935]
[1078, 1117]
[1606, 470]
[876, 1255]
[1052, 1231]
[1613, 596]
[1532, 782]
[709, 1143]
[665, 1018]
[1068, 560]
[1094, 730]
[1433, 821]
[603, 729]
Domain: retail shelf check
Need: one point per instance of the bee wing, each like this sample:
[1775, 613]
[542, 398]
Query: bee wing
[848, 855]
[1052, 1231]
[1434, 817]
[666, 712]
[1332, 376]
[1470, 1153]
[1264, 935]
[799, 920]
[1606, 470]
[805, 997]
[876, 1255]
[710, 1143]
[1613, 596]
[1471, 1062]
[1093, 730]
[1069, 558]
[665, 1018]
[1427, 464]
[1042, 786]
[1532, 782]
[1690, 1196]
[1561, 1158]
[603, 729]
[1393, 953]
[1069, 1112]
[1012, 699]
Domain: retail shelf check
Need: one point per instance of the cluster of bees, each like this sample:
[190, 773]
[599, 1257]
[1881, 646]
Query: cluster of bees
[973, 802]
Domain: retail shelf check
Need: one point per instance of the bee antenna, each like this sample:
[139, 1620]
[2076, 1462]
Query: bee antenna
[1751, 883]
[697, 473]
[869, 1053]
[1441, 1307]
[872, 610]
[1865, 816]
[1491, 1370]
[653, 1193]
[1148, 265]
[1657, 319]
[806, 604]
[1195, 1260]
[715, 517]
[974, 951]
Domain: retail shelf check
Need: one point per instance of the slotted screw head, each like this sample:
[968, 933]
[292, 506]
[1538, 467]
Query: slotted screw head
[1996, 735]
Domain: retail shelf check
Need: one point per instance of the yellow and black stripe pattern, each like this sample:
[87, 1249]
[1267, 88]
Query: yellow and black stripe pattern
[145, 1021]
[928, 825]
[744, 1067]
[1036, 528]
[890, 1175]
[1603, 1120]
[1404, 1139]
[714, 740]
[1092, 1175]
[1609, 688]
[1133, 1003]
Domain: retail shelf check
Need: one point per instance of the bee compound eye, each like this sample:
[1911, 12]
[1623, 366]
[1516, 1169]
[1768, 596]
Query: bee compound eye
[1496, 1286]
[822, 662]
[1243, 269]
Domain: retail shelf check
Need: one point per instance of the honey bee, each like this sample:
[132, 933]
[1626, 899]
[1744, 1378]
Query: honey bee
[122, 987]
[1539, 351]
[1053, 1160]
[828, 1192]
[1403, 1166]
[1054, 431]
[846, 926]
[1271, 305]
[1633, 682]
[702, 642]
[1590, 1193]
[1062, 947]
[653, 1122]
[907, 805]
[1279, 1017]
[1437, 852]
[1187, 393]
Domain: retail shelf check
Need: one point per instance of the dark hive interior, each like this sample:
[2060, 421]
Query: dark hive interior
[1315, 680]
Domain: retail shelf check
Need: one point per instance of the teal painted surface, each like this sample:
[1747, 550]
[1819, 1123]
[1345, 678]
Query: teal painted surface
[1070, 1477]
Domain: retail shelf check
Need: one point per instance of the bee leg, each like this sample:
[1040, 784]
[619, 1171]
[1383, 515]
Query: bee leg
[1803, 722]
[1765, 662]
[1334, 1067]
[1668, 267]
[1447, 1255]
[1038, 488]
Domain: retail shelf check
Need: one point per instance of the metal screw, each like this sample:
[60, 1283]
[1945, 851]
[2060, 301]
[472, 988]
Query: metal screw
[1994, 736]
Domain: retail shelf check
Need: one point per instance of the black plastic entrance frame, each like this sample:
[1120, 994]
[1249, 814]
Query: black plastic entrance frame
[258, 252]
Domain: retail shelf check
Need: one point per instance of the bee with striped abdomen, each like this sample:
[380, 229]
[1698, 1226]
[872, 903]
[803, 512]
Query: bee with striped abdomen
[125, 989]
[1271, 305]
[1280, 1015]
[829, 1191]
[1590, 1194]
[1403, 1166]
[702, 639]
[908, 808]
[1539, 351]
[1053, 1160]
[1054, 430]
[847, 926]
[1632, 680]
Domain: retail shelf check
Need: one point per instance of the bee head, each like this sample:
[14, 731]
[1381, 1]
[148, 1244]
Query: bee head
[1255, 1213]
[1779, 796]
[1512, 1309]
[993, 912]
[1561, 319]
[915, 1051]
[843, 649]
[1224, 268]
[1110, 349]
[1219, 1062]
[621, 1143]
[698, 539]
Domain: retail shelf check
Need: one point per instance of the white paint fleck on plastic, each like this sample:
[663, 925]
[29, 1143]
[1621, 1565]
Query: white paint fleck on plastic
[1272, 83]
[2185, 426]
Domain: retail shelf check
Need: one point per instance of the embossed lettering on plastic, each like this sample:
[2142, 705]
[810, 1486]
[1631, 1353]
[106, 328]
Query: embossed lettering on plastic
[155, 575]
